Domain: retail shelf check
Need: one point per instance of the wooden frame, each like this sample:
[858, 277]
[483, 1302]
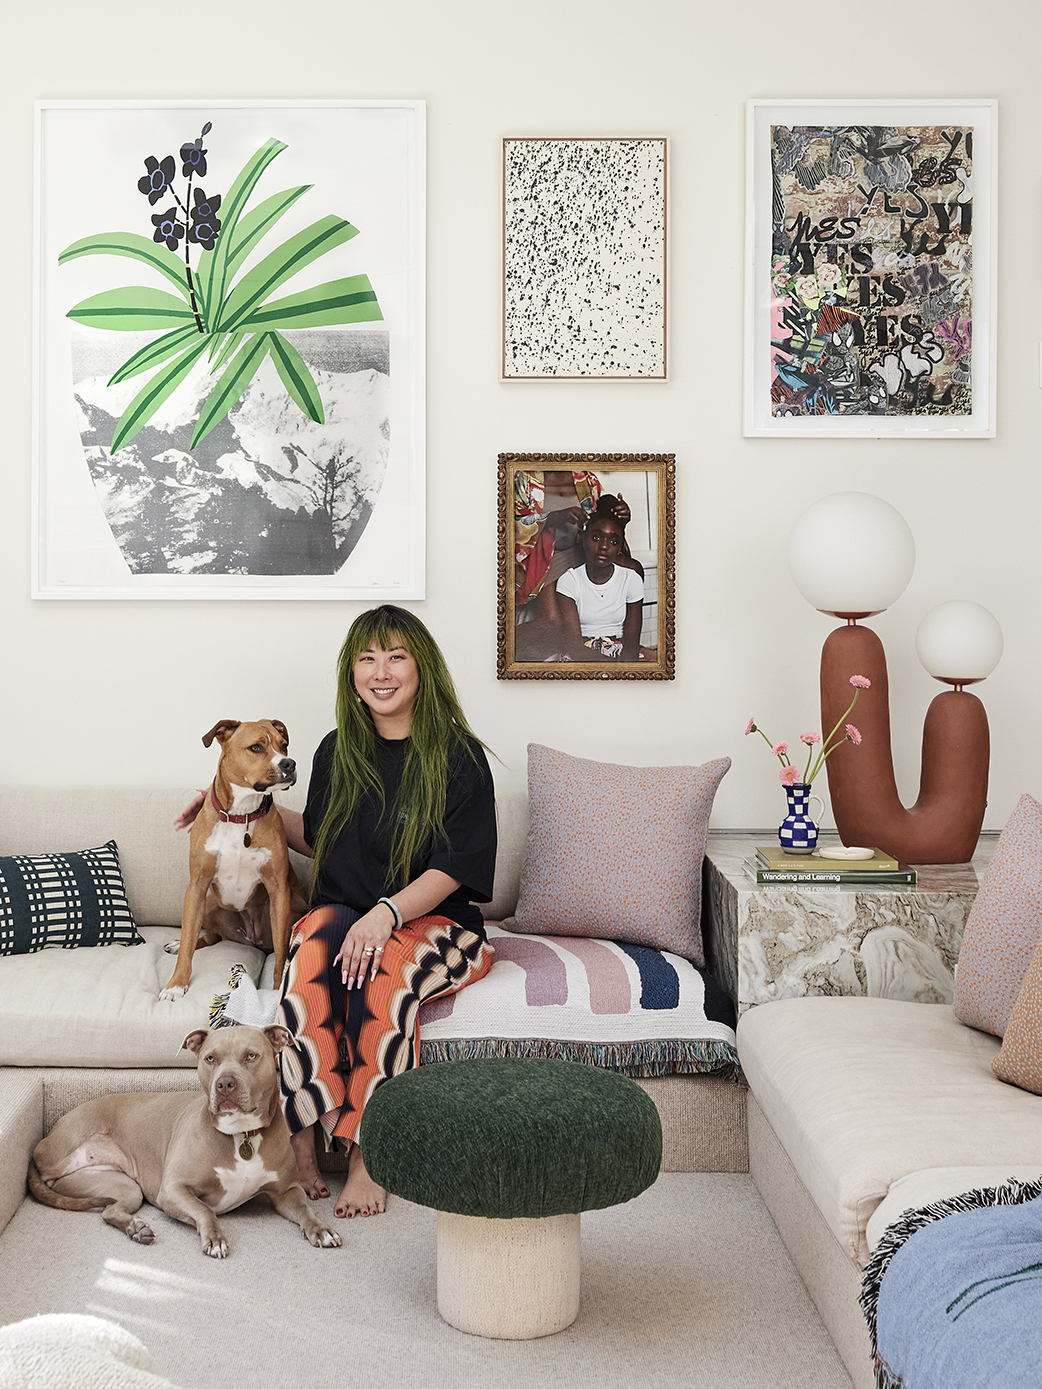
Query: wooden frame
[533, 556]
[584, 258]
[871, 268]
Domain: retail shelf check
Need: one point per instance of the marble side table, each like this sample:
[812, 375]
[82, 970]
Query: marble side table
[764, 943]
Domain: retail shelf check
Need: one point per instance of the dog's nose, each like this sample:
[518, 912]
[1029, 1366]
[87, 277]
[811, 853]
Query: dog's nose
[226, 1087]
[287, 766]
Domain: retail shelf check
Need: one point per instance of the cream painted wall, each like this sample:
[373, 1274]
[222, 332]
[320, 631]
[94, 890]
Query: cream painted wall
[119, 693]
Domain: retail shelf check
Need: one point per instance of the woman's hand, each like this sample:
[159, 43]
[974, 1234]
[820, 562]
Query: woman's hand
[191, 810]
[363, 945]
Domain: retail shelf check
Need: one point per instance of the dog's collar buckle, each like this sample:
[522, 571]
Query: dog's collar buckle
[247, 820]
[246, 1148]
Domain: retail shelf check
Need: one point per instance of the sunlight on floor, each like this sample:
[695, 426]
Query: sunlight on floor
[130, 1285]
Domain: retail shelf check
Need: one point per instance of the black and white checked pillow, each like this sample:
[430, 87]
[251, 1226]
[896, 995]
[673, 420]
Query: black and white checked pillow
[65, 900]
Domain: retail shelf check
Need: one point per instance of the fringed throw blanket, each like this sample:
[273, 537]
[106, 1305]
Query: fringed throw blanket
[953, 1293]
[624, 1007]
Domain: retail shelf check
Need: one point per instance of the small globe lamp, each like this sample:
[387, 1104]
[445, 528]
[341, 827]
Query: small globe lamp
[851, 555]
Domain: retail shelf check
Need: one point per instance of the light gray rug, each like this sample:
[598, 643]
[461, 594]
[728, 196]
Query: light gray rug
[689, 1285]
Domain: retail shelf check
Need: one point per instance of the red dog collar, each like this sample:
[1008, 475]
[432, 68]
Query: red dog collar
[246, 820]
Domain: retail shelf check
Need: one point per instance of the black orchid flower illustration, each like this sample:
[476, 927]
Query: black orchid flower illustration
[205, 222]
[158, 178]
[167, 228]
[193, 159]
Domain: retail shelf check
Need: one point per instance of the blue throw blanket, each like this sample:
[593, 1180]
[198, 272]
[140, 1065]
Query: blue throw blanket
[953, 1293]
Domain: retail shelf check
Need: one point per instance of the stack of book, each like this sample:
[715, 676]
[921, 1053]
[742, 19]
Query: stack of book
[773, 865]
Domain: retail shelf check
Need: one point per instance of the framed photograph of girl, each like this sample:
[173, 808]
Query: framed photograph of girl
[586, 556]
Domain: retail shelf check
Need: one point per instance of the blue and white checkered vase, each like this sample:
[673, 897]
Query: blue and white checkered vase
[797, 830]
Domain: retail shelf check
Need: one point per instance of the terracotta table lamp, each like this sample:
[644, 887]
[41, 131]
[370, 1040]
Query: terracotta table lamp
[852, 555]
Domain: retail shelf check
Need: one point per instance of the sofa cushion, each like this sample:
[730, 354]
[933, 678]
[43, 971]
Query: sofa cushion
[101, 1007]
[68, 900]
[1019, 1061]
[1004, 924]
[922, 1189]
[616, 852]
[863, 1091]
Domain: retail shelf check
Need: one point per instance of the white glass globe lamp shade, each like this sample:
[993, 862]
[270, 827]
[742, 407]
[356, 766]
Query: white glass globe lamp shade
[959, 642]
[851, 554]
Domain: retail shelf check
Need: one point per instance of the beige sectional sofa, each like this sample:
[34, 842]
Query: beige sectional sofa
[79, 1023]
[860, 1109]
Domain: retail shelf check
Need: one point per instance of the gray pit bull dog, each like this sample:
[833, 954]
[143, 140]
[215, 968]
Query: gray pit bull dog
[195, 1156]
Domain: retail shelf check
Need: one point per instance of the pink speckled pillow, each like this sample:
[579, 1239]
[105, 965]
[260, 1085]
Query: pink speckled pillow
[616, 852]
[1004, 924]
[1020, 1060]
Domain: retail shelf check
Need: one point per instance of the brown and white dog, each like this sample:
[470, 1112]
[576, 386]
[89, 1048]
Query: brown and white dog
[194, 1156]
[242, 886]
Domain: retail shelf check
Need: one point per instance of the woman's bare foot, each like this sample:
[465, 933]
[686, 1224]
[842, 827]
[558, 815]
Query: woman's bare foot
[307, 1164]
[361, 1195]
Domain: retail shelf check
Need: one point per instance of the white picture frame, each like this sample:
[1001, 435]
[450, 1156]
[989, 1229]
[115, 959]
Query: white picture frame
[913, 280]
[310, 483]
[584, 258]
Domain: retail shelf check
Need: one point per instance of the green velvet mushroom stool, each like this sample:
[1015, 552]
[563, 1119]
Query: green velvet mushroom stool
[510, 1153]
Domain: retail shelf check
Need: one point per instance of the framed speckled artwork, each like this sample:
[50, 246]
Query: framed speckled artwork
[870, 269]
[586, 557]
[584, 259]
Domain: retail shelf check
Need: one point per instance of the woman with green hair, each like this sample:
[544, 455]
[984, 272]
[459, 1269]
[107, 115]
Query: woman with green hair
[401, 823]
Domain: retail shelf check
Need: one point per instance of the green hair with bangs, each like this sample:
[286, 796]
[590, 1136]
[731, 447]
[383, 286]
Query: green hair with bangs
[438, 728]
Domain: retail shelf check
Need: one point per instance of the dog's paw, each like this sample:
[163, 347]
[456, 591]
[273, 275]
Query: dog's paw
[174, 992]
[322, 1238]
[172, 947]
[140, 1233]
[216, 1248]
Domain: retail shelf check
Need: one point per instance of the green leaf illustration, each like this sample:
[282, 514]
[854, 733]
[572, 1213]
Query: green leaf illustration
[131, 310]
[153, 353]
[157, 389]
[296, 377]
[352, 300]
[280, 265]
[137, 247]
[218, 269]
[254, 225]
[231, 386]
[224, 348]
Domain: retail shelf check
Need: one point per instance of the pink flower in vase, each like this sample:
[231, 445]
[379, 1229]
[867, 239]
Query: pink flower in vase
[779, 749]
[860, 682]
[810, 738]
[788, 775]
[751, 727]
[853, 735]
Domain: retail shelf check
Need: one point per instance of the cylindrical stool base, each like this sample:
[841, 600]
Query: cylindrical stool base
[512, 1279]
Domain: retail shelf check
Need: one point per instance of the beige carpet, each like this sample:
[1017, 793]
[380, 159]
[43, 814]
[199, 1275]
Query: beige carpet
[689, 1285]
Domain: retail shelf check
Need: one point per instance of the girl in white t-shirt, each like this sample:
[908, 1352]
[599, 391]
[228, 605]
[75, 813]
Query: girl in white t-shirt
[600, 601]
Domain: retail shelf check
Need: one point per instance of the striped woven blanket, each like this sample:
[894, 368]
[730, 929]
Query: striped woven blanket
[953, 1293]
[625, 1007]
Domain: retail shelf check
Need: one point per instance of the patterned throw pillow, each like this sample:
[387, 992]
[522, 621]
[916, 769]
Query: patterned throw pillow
[616, 852]
[64, 900]
[1019, 1061]
[1004, 924]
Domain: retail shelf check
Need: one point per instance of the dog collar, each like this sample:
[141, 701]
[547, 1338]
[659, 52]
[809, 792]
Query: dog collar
[246, 1148]
[246, 820]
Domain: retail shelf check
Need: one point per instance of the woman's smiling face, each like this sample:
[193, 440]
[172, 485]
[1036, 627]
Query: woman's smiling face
[387, 681]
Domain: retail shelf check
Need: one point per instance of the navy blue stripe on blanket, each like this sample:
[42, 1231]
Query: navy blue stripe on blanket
[659, 981]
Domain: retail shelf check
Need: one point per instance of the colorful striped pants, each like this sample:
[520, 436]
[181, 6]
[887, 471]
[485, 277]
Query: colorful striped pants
[346, 1043]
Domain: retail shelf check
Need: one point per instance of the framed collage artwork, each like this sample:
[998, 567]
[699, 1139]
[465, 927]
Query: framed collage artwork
[870, 269]
[229, 349]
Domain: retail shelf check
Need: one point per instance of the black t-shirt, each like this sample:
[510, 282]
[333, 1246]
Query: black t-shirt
[354, 872]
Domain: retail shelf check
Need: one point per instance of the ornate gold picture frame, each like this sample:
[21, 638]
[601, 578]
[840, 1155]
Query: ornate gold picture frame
[586, 566]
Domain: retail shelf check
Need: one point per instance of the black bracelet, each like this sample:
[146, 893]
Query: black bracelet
[394, 908]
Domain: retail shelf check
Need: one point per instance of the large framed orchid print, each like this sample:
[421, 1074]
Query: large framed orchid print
[229, 349]
[870, 269]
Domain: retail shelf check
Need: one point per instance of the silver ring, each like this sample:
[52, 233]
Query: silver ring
[379, 950]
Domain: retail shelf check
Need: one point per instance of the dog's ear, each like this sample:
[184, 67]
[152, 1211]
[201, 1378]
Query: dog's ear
[278, 1036]
[280, 728]
[195, 1040]
[220, 731]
